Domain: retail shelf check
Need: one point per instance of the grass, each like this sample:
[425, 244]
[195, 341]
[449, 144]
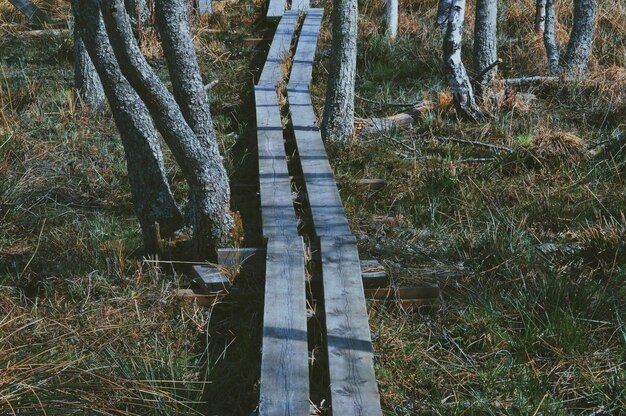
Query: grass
[528, 247]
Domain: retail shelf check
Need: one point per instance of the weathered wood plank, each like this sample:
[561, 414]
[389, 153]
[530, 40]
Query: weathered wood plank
[350, 353]
[301, 5]
[210, 278]
[327, 210]
[302, 69]
[277, 212]
[284, 358]
[29, 10]
[275, 9]
[272, 72]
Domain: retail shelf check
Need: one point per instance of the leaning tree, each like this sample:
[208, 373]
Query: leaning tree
[138, 99]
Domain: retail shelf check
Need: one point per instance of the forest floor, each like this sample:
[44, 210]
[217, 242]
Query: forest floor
[528, 245]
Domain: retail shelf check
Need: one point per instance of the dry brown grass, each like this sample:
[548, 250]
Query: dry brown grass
[558, 148]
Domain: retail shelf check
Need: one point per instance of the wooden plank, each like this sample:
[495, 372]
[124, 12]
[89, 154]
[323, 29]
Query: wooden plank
[284, 358]
[275, 9]
[210, 278]
[277, 212]
[302, 69]
[29, 10]
[272, 72]
[329, 218]
[205, 7]
[301, 5]
[350, 353]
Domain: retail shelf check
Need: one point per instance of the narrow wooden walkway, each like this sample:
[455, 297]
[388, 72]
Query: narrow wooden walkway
[284, 368]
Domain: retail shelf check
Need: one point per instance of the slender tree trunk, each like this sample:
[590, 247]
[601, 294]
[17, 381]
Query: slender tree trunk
[208, 203]
[191, 96]
[485, 42]
[581, 38]
[443, 12]
[454, 68]
[338, 120]
[153, 201]
[540, 16]
[86, 79]
[392, 18]
[552, 50]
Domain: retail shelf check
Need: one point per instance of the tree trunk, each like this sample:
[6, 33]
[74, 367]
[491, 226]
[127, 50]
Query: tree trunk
[338, 120]
[581, 38]
[202, 169]
[540, 16]
[191, 96]
[485, 42]
[443, 12]
[552, 50]
[392, 18]
[153, 201]
[454, 68]
[86, 79]
[138, 12]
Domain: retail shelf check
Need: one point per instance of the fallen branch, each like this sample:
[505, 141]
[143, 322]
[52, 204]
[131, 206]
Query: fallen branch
[400, 120]
[387, 104]
[474, 143]
[520, 82]
[211, 84]
[480, 78]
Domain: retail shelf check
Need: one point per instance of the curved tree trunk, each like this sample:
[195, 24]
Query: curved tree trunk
[338, 120]
[485, 42]
[552, 50]
[202, 170]
[153, 201]
[581, 38]
[392, 18]
[540, 16]
[454, 68]
[191, 96]
[86, 79]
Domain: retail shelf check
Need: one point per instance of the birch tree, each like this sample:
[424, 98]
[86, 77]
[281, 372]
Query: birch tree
[392, 18]
[184, 125]
[540, 16]
[453, 65]
[549, 40]
[338, 118]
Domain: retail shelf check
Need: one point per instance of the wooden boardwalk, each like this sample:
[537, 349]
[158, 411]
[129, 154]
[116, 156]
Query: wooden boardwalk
[285, 368]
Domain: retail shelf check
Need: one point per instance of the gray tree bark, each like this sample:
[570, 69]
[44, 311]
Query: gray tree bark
[152, 198]
[338, 119]
[138, 12]
[454, 68]
[552, 50]
[485, 42]
[203, 171]
[581, 38]
[86, 79]
[392, 18]
[540, 16]
[443, 12]
[191, 96]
